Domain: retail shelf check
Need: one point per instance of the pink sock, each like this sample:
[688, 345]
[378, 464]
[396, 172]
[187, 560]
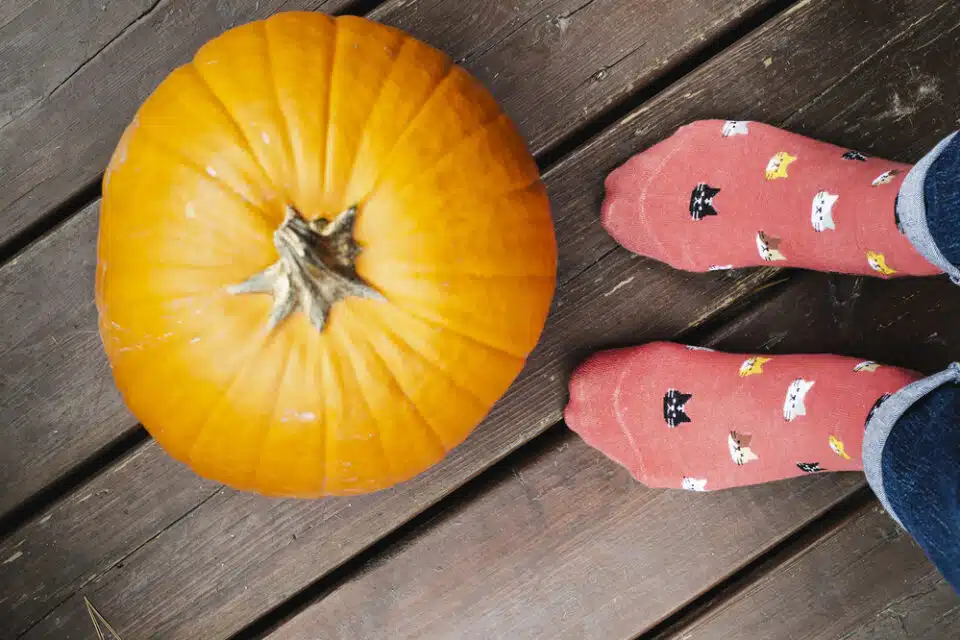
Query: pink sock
[696, 419]
[721, 195]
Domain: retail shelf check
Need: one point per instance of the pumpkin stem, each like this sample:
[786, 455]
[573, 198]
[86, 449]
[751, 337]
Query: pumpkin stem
[316, 269]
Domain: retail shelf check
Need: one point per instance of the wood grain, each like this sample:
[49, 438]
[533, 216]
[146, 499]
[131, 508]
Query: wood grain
[56, 382]
[547, 574]
[43, 43]
[55, 418]
[63, 120]
[907, 323]
[12, 8]
[245, 553]
[47, 561]
[567, 545]
[538, 58]
[241, 548]
[63, 408]
[864, 580]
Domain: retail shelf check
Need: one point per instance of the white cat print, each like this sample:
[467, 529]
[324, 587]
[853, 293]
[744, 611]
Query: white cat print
[735, 128]
[793, 405]
[694, 484]
[822, 211]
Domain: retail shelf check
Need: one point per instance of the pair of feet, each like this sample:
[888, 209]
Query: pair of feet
[723, 195]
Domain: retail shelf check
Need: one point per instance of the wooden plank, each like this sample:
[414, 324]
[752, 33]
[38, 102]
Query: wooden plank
[60, 121]
[56, 382]
[328, 532]
[908, 322]
[566, 545]
[63, 262]
[621, 557]
[931, 613]
[864, 579]
[296, 541]
[536, 56]
[36, 401]
[42, 43]
[40, 566]
[12, 8]
[538, 563]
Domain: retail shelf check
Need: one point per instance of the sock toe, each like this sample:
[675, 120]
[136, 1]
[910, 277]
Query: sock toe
[633, 204]
[606, 398]
[592, 412]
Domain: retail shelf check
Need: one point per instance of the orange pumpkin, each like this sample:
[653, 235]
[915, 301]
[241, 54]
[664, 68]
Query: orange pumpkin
[324, 254]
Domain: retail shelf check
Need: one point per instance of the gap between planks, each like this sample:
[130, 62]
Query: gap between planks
[838, 516]
[91, 191]
[548, 157]
[460, 498]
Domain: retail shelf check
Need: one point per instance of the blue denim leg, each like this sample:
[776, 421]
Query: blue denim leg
[920, 466]
[941, 190]
[928, 206]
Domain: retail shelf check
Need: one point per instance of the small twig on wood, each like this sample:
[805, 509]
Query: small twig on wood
[97, 620]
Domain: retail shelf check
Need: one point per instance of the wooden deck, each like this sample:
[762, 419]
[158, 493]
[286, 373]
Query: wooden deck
[523, 531]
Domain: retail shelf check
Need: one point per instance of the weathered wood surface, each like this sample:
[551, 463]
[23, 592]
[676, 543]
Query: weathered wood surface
[42, 43]
[543, 59]
[61, 266]
[97, 71]
[864, 580]
[908, 323]
[567, 545]
[45, 562]
[544, 557]
[245, 554]
[240, 576]
[58, 403]
[56, 417]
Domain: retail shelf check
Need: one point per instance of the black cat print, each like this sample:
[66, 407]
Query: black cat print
[854, 155]
[873, 409]
[674, 407]
[701, 201]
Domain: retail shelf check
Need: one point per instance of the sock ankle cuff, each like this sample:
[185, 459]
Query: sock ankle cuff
[885, 416]
[912, 212]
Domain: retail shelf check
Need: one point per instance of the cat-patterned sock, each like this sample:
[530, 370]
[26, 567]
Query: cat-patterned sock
[722, 195]
[691, 418]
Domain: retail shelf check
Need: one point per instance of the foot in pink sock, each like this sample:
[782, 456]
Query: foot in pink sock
[685, 417]
[722, 195]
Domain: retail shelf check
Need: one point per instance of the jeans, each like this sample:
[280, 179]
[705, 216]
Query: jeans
[911, 450]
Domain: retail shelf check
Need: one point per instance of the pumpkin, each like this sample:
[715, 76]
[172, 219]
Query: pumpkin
[324, 253]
